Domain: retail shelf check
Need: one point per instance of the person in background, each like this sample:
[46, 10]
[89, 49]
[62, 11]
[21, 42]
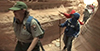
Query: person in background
[72, 30]
[69, 16]
[86, 15]
[92, 7]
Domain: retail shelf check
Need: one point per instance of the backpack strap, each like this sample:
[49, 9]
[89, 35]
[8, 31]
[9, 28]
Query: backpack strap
[69, 23]
[28, 27]
[28, 24]
[14, 19]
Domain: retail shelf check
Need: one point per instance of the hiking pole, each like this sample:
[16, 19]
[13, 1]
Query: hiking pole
[40, 44]
[60, 33]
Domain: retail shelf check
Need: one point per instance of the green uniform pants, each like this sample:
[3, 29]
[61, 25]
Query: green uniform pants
[24, 46]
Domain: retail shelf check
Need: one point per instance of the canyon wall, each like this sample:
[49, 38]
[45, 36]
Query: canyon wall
[90, 34]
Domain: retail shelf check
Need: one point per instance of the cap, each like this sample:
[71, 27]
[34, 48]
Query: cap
[18, 6]
[76, 15]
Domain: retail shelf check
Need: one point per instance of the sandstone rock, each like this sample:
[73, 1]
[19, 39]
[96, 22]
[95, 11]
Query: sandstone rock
[57, 44]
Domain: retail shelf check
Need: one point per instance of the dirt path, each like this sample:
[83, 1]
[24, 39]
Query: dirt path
[55, 45]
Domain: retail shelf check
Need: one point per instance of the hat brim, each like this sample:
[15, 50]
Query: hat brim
[14, 8]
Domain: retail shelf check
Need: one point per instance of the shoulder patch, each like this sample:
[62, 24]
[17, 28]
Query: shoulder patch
[34, 26]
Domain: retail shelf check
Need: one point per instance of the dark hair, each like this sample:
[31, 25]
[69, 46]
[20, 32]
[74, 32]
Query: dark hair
[26, 13]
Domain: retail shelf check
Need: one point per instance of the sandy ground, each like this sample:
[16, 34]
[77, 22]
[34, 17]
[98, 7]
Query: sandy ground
[56, 46]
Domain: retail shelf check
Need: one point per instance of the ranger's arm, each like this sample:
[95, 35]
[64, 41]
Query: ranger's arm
[36, 32]
[34, 42]
[64, 24]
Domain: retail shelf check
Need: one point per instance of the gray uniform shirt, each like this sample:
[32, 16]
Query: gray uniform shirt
[23, 35]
